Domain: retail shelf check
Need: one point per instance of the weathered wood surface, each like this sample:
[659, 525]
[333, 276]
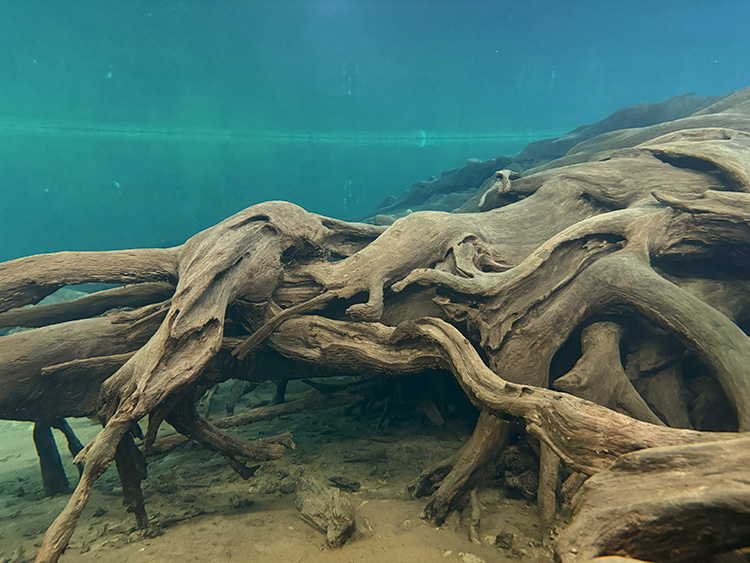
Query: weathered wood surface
[599, 377]
[56, 371]
[88, 306]
[315, 401]
[637, 232]
[327, 509]
[29, 280]
[687, 504]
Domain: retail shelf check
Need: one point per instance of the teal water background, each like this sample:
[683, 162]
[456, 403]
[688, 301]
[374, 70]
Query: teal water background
[133, 123]
[104, 193]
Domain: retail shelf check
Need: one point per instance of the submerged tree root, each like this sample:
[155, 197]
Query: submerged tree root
[549, 285]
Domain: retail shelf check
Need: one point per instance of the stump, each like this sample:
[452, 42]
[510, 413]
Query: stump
[599, 301]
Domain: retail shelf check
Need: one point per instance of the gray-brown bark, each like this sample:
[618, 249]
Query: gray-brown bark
[54, 480]
[328, 510]
[648, 238]
[315, 401]
[30, 279]
[455, 474]
[88, 306]
[598, 376]
[549, 474]
[695, 499]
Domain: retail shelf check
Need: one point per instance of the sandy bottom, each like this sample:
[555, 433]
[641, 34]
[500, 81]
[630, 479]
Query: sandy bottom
[202, 511]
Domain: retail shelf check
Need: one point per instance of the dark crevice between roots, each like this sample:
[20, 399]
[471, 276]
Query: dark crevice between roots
[699, 165]
[727, 262]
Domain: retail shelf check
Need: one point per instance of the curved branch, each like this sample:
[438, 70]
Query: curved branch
[418, 240]
[239, 257]
[185, 419]
[588, 437]
[249, 344]
[96, 457]
[598, 376]
[88, 306]
[717, 341]
[623, 278]
[30, 279]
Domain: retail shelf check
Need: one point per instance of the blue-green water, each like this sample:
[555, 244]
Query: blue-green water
[81, 193]
[137, 123]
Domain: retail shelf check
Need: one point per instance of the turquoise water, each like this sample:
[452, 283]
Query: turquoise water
[100, 192]
[137, 123]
